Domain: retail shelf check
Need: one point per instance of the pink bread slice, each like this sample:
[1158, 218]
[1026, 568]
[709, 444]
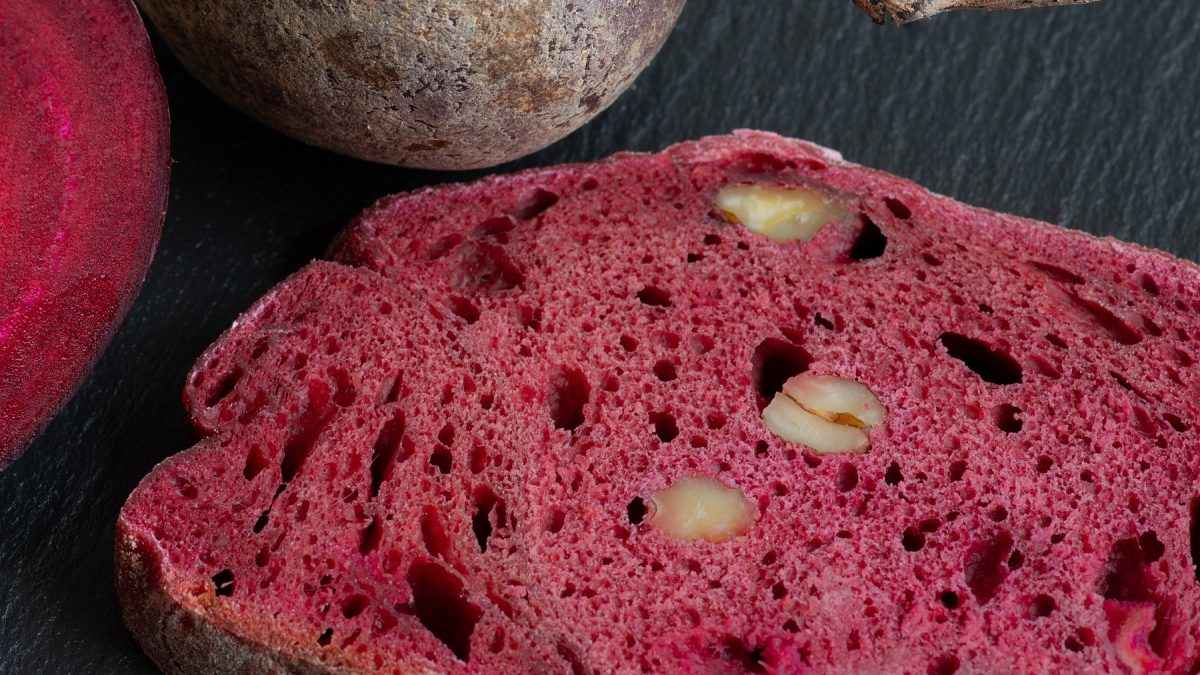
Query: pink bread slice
[438, 453]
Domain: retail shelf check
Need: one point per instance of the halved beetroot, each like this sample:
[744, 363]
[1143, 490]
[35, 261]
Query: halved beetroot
[84, 167]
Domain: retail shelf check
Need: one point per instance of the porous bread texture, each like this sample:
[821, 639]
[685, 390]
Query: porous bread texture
[438, 452]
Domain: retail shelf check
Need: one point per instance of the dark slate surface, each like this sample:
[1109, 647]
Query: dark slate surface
[1083, 116]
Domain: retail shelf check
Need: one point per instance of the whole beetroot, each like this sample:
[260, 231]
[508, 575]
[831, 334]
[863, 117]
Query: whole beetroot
[439, 84]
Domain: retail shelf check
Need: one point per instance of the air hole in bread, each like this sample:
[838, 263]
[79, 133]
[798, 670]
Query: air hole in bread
[1110, 324]
[390, 390]
[983, 566]
[484, 267]
[628, 343]
[1126, 576]
[870, 242]
[912, 540]
[761, 162]
[957, 469]
[779, 590]
[773, 363]
[1149, 285]
[534, 202]
[1152, 548]
[255, 406]
[715, 420]
[316, 416]
[370, 537]
[664, 370]
[931, 260]
[1144, 423]
[496, 229]
[223, 583]
[1044, 464]
[1151, 327]
[695, 257]
[344, 391]
[989, 363]
[530, 317]
[440, 604]
[572, 658]
[261, 524]
[711, 240]
[1043, 367]
[1056, 273]
[441, 459]
[946, 664]
[433, 535]
[325, 638]
[355, 605]
[847, 477]
[224, 387]
[481, 523]
[464, 308]
[569, 393]
[665, 426]
[702, 344]
[260, 348]
[636, 511]
[1005, 416]
[823, 322]
[387, 451]
[443, 246]
[497, 644]
[746, 658]
[949, 599]
[897, 207]
[555, 519]
[1126, 385]
[478, 459]
[893, 475]
[1194, 535]
[1015, 560]
[654, 297]
[255, 463]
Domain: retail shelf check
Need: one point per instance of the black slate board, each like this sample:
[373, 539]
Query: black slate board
[1083, 116]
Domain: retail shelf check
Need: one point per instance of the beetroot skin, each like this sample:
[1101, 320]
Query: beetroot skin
[438, 453]
[83, 191]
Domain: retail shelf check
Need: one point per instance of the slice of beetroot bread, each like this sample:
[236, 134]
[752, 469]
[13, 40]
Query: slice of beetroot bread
[477, 441]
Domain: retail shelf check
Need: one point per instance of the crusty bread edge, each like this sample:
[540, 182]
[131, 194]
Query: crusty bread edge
[177, 638]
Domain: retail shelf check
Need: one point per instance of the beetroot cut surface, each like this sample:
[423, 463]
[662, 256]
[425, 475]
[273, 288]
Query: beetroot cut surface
[84, 167]
[439, 453]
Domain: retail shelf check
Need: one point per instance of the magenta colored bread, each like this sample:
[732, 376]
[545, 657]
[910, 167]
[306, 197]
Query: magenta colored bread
[437, 453]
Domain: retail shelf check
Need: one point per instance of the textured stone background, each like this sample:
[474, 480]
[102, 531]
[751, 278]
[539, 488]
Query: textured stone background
[1082, 116]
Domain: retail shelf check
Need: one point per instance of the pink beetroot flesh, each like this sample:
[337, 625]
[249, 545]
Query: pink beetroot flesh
[83, 189]
[437, 452]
